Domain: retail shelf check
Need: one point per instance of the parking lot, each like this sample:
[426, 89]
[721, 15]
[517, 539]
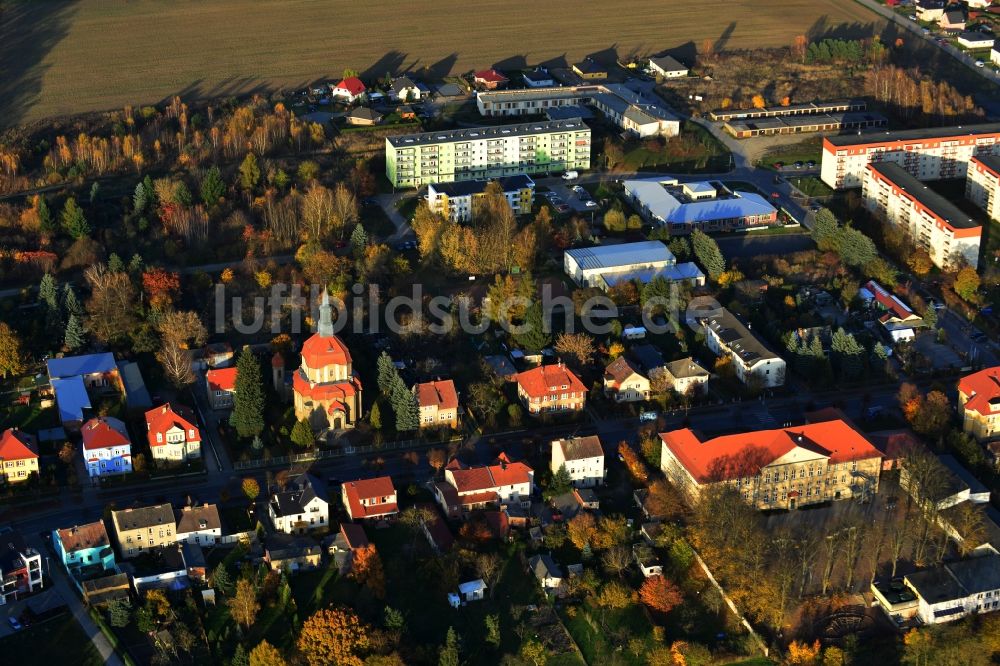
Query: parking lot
[571, 198]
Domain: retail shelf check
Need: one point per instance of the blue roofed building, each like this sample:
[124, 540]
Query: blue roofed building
[72, 399]
[92, 367]
[707, 205]
[607, 265]
[73, 377]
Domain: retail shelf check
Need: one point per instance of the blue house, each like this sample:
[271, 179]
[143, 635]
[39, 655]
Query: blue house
[85, 550]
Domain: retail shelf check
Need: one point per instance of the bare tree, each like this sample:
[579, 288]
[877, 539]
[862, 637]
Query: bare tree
[489, 566]
[345, 210]
[616, 560]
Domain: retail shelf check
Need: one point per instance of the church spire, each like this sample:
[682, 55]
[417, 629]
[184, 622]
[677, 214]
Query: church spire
[325, 328]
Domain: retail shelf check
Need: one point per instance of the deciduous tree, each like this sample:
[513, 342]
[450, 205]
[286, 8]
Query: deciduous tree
[660, 594]
[250, 488]
[11, 355]
[366, 568]
[333, 636]
[243, 606]
[266, 654]
[578, 346]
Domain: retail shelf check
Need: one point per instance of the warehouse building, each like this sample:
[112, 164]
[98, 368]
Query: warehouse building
[804, 109]
[483, 153]
[604, 266]
[708, 205]
[798, 124]
[457, 201]
[950, 236]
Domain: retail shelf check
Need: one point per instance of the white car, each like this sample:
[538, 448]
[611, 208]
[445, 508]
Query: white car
[590, 203]
[980, 63]
[571, 175]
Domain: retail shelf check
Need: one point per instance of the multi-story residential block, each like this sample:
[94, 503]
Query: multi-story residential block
[143, 529]
[199, 524]
[502, 483]
[483, 153]
[107, 448]
[583, 458]
[624, 382]
[173, 437]
[754, 363]
[707, 205]
[633, 111]
[438, 402]
[775, 469]
[327, 391]
[18, 455]
[20, 567]
[937, 225]
[220, 385]
[982, 184]
[929, 154]
[550, 388]
[605, 266]
[979, 400]
[370, 499]
[301, 506]
[457, 201]
[84, 548]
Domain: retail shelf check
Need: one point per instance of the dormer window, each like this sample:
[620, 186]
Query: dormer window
[159, 437]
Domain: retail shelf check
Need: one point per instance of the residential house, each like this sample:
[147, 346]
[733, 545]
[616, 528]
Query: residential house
[342, 546]
[538, 78]
[647, 561]
[370, 499]
[349, 90]
[438, 403]
[221, 387]
[501, 483]
[20, 567]
[898, 320]
[143, 529]
[955, 590]
[172, 435]
[583, 458]
[286, 552]
[404, 90]
[623, 382]
[550, 388]
[219, 355]
[668, 67]
[363, 116]
[978, 400]
[687, 377]
[18, 455]
[952, 20]
[547, 572]
[72, 377]
[473, 590]
[199, 525]
[84, 549]
[489, 79]
[590, 70]
[973, 39]
[783, 468]
[406, 112]
[753, 362]
[107, 448]
[929, 10]
[301, 506]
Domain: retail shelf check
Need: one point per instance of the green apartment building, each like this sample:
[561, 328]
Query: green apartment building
[484, 153]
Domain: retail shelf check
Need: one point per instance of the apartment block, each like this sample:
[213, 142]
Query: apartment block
[950, 236]
[929, 154]
[982, 184]
[483, 153]
[458, 200]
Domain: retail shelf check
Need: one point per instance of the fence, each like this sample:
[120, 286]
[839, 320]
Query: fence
[729, 602]
[342, 452]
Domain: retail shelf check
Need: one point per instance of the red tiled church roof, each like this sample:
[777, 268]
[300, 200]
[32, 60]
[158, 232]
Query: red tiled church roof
[320, 351]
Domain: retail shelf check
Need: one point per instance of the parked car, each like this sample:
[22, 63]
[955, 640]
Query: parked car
[579, 189]
[590, 203]
[980, 63]
[406, 245]
[798, 165]
[571, 175]
[14, 624]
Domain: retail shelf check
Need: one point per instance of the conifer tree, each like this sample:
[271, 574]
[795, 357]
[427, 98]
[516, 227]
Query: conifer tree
[75, 337]
[248, 401]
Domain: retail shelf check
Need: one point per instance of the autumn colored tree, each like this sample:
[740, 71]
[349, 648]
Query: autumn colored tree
[243, 606]
[250, 488]
[614, 595]
[112, 303]
[266, 654]
[11, 354]
[967, 284]
[663, 500]
[660, 594]
[802, 654]
[161, 287]
[333, 636]
[578, 346]
[581, 529]
[636, 468]
[799, 45]
[758, 101]
[367, 570]
[437, 458]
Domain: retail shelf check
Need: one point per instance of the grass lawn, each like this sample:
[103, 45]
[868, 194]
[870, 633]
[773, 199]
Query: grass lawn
[810, 149]
[58, 641]
[602, 633]
[811, 186]
[30, 417]
[695, 150]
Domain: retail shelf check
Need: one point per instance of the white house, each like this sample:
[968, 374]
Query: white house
[503, 482]
[971, 39]
[199, 524]
[647, 561]
[404, 90]
[583, 458]
[754, 363]
[538, 78]
[349, 90]
[171, 433]
[300, 507]
[106, 446]
[668, 67]
[957, 589]
[547, 572]
[473, 590]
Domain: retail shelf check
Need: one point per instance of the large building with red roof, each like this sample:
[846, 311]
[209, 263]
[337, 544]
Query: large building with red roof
[466, 488]
[18, 455]
[107, 448]
[327, 391]
[784, 468]
[172, 434]
[370, 499]
[438, 402]
[979, 400]
[551, 388]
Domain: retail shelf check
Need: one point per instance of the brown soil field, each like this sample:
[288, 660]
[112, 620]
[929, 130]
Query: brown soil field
[62, 57]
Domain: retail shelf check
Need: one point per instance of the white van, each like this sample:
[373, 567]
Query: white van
[571, 175]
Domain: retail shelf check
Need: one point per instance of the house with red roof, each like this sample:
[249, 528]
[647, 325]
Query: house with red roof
[466, 488]
[489, 79]
[172, 434]
[18, 455]
[438, 401]
[979, 400]
[370, 499]
[107, 448]
[326, 389]
[784, 468]
[896, 317]
[349, 90]
[220, 386]
[550, 388]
